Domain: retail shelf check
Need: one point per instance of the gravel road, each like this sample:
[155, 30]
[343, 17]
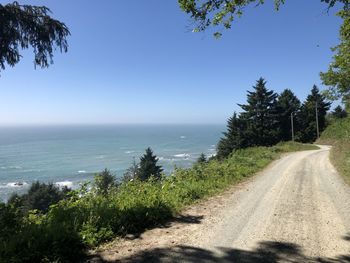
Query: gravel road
[296, 210]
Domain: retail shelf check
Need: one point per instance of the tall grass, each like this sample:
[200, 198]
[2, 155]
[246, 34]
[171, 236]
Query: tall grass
[338, 135]
[88, 219]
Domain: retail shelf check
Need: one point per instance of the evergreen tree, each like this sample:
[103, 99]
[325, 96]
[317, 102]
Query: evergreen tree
[24, 26]
[307, 130]
[104, 182]
[149, 167]
[261, 116]
[339, 113]
[287, 104]
[234, 137]
[202, 159]
[132, 172]
[40, 196]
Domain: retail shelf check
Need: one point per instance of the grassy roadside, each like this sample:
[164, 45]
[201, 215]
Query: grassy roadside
[338, 135]
[87, 220]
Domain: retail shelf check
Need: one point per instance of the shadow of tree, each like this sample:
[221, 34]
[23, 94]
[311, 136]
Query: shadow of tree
[183, 219]
[347, 237]
[266, 252]
[188, 219]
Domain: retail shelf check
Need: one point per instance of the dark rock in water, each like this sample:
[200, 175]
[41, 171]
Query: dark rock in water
[19, 184]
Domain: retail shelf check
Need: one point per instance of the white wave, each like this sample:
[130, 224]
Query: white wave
[82, 172]
[16, 184]
[13, 167]
[16, 167]
[68, 184]
[100, 157]
[168, 159]
[31, 170]
[128, 152]
[183, 137]
[182, 155]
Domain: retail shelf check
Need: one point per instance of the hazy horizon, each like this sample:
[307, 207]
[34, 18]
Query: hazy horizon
[113, 124]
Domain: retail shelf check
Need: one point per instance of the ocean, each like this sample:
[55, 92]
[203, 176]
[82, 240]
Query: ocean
[69, 155]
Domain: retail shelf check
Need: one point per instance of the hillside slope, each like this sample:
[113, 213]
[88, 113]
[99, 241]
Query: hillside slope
[338, 135]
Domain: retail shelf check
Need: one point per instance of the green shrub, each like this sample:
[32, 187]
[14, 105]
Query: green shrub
[40, 197]
[104, 182]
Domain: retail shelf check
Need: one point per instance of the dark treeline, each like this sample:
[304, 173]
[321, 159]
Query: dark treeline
[338, 113]
[266, 119]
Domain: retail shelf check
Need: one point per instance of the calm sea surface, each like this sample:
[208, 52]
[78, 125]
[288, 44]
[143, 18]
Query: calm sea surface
[68, 155]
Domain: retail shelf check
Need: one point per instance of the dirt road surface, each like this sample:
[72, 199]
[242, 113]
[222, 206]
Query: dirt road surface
[296, 210]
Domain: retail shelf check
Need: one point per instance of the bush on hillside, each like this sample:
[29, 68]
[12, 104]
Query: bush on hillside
[40, 197]
[104, 182]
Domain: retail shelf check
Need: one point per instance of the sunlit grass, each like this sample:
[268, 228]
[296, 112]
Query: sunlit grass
[338, 135]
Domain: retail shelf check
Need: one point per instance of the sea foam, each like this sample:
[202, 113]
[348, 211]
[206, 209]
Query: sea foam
[182, 155]
[16, 184]
[68, 184]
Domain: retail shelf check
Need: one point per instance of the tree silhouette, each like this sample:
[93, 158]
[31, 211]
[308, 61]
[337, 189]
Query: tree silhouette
[307, 130]
[261, 116]
[149, 167]
[287, 104]
[24, 26]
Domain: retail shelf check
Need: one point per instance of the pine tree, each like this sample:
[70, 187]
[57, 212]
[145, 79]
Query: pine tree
[40, 197]
[132, 172]
[104, 182]
[339, 113]
[287, 104]
[307, 130]
[25, 26]
[149, 167]
[202, 159]
[261, 116]
[234, 137]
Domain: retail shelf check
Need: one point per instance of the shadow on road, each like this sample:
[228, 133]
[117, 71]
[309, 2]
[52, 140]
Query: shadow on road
[267, 251]
[182, 219]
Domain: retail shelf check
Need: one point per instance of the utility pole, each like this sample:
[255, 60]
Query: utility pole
[292, 122]
[318, 130]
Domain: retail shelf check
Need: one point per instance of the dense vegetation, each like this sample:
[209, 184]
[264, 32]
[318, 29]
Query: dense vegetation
[84, 218]
[338, 74]
[266, 119]
[338, 135]
[40, 197]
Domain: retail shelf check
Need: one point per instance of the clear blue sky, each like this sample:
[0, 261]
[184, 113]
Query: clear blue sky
[139, 62]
